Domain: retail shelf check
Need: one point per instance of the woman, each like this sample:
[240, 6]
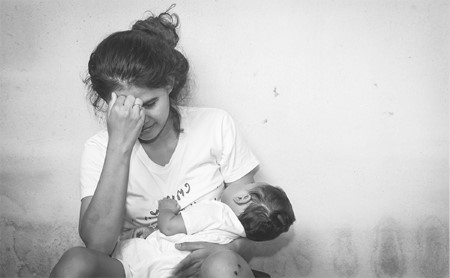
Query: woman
[152, 148]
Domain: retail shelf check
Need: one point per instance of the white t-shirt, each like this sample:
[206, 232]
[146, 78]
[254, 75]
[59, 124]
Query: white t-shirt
[156, 256]
[209, 152]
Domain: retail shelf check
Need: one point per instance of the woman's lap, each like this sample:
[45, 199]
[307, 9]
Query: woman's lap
[225, 264]
[81, 261]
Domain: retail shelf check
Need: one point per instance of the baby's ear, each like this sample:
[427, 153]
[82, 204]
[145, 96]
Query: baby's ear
[242, 198]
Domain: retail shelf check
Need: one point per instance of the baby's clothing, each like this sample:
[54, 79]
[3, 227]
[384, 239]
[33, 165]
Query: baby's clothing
[156, 256]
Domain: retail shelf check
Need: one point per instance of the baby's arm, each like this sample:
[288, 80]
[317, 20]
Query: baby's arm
[170, 221]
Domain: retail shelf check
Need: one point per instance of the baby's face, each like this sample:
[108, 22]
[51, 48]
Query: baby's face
[237, 196]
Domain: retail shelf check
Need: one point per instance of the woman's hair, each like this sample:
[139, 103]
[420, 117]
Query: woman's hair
[269, 214]
[143, 57]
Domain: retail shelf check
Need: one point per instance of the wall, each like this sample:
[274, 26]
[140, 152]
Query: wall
[344, 102]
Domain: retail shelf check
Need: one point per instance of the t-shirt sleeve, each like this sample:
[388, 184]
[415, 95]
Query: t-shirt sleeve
[91, 167]
[236, 159]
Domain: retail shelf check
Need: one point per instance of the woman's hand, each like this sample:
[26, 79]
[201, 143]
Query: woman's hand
[190, 266]
[125, 120]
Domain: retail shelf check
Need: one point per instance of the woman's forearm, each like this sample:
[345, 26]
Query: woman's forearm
[101, 224]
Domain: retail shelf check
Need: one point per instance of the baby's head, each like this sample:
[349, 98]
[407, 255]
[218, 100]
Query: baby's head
[264, 210]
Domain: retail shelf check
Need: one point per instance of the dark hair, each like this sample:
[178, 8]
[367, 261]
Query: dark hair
[269, 214]
[144, 57]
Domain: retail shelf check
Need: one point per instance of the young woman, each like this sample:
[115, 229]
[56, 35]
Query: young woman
[152, 148]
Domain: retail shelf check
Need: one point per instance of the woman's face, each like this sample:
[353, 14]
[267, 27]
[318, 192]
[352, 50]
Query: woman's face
[156, 105]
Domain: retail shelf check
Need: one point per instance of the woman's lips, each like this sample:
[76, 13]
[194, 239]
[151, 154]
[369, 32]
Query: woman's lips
[147, 128]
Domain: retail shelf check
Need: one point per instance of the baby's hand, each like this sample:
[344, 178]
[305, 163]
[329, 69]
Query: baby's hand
[143, 232]
[169, 204]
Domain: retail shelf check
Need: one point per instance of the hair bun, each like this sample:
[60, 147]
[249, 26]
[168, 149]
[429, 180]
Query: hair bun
[162, 27]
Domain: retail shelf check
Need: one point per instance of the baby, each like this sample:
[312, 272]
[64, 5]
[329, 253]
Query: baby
[258, 211]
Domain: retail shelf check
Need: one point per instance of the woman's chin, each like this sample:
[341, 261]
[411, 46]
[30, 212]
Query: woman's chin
[147, 138]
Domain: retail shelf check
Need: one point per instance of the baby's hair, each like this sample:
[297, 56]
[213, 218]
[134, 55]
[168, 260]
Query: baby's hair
[269, 214]
[144, 57]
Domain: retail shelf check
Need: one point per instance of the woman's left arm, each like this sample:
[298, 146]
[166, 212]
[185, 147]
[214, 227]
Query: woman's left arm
[190, 266]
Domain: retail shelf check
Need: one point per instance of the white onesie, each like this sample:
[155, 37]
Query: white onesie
[156, 256]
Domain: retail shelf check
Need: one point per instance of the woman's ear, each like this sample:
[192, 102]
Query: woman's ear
[169, 89]
[169, 86]
[242, 198]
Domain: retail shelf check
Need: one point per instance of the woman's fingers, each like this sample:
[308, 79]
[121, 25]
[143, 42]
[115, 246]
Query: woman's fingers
[120, 100]
[111, 102]
[125, 102]
[191, 263]
[138, 101]
[125, 119]
[190, 246]
[137, 105]
[129, 101]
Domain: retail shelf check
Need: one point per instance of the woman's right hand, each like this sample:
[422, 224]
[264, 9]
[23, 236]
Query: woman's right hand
[124, 120]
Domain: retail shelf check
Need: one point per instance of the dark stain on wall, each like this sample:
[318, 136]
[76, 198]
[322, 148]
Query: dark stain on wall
[345, 259]
[32, 249]
[284, 256]
[432, 248]
[275, 92]
[388, 259]
[302, 254]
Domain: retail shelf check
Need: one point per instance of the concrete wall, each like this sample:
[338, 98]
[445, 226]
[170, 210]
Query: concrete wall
[344, 102]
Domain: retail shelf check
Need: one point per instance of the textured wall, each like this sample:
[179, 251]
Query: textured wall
[344, 102]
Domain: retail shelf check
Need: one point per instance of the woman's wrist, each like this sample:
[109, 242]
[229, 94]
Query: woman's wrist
[122, 150]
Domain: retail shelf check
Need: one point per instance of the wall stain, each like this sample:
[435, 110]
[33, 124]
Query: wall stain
[282, 257]
[275, 93]
[432, 248]
[345, 259]
[387, 258]
[32, 249]
[302, 256]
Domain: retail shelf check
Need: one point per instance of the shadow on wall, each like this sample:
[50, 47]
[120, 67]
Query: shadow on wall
[387, 251]
[32, 249]
[432, 248]
[287, 256]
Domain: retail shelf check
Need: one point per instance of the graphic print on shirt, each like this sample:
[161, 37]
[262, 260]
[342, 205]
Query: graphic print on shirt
[182, 193]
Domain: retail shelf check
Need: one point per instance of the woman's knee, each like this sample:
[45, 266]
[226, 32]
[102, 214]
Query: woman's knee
[75, 262]
[225, 264]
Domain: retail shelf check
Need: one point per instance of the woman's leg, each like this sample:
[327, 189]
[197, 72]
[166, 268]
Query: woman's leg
[84, 262]
[225, 264]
